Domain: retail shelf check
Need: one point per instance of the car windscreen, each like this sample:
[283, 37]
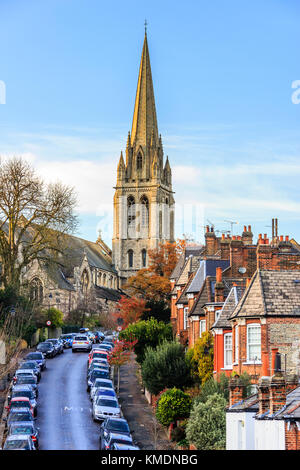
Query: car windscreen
[25, 380]
[107, 402]
[20, 416]
[99, 373]
[98, 354]
[45, 346]
[24, 393]
[99, 384]
[22, 429]
[35, 356]
[120, 441]
[20, 404]
[17, 444]
[114, 425]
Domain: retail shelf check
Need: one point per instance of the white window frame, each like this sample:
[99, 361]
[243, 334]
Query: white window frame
[236, 339]
[201, 329]
[250, 359]
[227, 365]
[185, 317]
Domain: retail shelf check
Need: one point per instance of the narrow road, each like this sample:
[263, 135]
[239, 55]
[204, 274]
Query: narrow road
[64, 407]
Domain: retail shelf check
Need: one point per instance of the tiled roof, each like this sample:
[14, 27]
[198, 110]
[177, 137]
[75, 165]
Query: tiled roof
[195, 252]
[248, 404]
[183, 298]
[207, 268]
[229, 305]
[272, 293]
[109, 294]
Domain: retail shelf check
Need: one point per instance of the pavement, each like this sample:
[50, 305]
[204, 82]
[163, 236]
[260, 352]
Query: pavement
[147, 432]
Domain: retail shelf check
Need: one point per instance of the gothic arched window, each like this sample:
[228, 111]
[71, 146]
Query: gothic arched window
[144, 212]
[144, 258]
[130, 258]
[131, 216]
[139, 161]
[36, 290]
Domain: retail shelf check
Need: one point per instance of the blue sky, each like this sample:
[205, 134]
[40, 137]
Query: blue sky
[222, 73]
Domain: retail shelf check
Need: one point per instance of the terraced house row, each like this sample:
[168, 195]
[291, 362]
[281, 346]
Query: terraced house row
[247, 294]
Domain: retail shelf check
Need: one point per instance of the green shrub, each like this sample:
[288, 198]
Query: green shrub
[149, 333]
[165, 367]
[173, 404]
[206, 427]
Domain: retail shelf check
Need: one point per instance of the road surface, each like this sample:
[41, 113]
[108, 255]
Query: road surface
[64, 407]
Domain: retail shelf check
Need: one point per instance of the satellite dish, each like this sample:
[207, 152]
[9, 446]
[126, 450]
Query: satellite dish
[242, 270]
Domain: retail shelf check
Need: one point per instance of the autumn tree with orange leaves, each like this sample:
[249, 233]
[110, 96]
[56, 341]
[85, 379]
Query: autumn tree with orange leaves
[153, 282]
[129, 310]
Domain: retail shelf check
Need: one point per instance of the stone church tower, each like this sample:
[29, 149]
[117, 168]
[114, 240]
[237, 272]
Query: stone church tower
[143, 200]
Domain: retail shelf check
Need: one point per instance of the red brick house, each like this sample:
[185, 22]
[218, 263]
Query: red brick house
[267, 317]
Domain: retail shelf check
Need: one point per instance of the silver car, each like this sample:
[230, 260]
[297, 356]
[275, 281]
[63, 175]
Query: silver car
[104, 407]
[101, 383]
[81, 343]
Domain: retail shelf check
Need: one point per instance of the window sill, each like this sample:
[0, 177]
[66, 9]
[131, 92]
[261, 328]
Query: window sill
[226, 368]
[257, 363]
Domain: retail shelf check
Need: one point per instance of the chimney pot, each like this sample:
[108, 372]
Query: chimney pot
[281, 238]
[249, 228]
[223, 236]
[286, 238]
[219, 275]
[260, 236]
[245, 228]
[265, 235]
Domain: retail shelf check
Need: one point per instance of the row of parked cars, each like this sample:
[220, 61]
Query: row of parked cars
[20, 424]
[114, 430]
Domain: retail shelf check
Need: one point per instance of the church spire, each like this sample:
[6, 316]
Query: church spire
[144, 116]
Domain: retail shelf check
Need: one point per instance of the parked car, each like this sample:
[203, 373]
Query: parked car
[81, 343]
[37, 357]
[103, 383]
[47, 349]
[97, 354]
[104, 407]
[58, 345]
[97, 367]
[96, 374]
[108, 392]
[28, 428]
[118, 425]
[20, 402]
[27, 380]
[24, 373]
[106, 347]
[17, 415]
[31, 365]
[113, 438]
[19, 442]
[24, 391]
[68, 340]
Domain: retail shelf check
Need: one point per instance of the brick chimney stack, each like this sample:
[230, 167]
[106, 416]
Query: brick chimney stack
[211, 242]
[225, 247]
[219, 286]
[263, 394]
[278, 393]
[235, 390]
[247, 235]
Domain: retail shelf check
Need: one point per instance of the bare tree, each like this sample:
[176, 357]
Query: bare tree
[34, 217]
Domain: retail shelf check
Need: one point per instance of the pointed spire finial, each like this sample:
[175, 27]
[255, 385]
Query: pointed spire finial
[145, 27]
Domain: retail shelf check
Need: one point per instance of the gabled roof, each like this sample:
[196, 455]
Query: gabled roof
[271, 293]
[183, 298]
[230, 303]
